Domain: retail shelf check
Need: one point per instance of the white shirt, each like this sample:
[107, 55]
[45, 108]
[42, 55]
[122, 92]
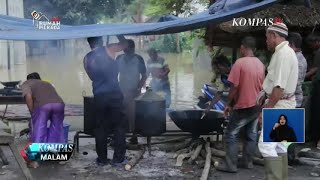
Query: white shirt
[282, 70]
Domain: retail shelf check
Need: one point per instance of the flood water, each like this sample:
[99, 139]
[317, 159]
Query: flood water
[67, 74]
[65, 71]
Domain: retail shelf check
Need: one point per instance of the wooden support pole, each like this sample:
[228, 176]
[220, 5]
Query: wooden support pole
[135, 160]
[234, 54]
[3, 157]
[195, 154]
[20, 161]
[207, 165]
[222, 154]
[181, 151]
[181, 157]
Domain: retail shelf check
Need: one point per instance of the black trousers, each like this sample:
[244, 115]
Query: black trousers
[110, 119]
[315, 113]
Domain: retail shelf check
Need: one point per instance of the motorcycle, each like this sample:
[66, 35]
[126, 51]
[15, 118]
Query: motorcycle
[209, 92]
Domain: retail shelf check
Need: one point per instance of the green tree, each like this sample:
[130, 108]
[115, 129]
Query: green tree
[77, 12]
[174, 7]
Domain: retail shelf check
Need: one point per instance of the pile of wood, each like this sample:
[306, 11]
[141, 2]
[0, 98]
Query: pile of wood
[309, 157]
[205, 154]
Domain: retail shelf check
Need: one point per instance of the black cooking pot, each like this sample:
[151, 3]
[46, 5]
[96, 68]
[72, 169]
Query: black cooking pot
[190, 121]
[150, 114]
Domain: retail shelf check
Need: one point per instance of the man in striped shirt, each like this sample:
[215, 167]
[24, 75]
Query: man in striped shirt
[295, 41]
[159, 70]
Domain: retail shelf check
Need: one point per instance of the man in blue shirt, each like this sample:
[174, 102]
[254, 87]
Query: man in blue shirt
[102, 69]
[132, 77]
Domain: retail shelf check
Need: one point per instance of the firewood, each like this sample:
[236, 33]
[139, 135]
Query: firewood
[207, 165]
[135, 160]
[185, 150]
[309, 154]
[203, 153]
[195, 154]
[222, 154]
[181, 157]
[173, 147]
[218, 153]
[309, 161]
[200, 163]
[181, 139]
[134, 147]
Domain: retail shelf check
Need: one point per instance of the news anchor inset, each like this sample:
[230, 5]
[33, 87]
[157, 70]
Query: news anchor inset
[283, 125]
[282, 132]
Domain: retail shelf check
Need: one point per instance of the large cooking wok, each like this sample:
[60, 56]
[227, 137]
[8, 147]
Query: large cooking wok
[11, 84]
[190, 121]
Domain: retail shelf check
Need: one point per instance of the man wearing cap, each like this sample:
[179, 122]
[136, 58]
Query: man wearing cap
[279, 88]
[103, 71]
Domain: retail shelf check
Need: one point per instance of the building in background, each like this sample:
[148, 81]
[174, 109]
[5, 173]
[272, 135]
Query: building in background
[12, 52]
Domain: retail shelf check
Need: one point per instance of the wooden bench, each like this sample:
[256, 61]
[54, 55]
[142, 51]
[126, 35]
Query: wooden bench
[7, 139]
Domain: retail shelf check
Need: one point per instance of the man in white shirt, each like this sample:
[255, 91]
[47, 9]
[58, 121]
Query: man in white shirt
[279, 87]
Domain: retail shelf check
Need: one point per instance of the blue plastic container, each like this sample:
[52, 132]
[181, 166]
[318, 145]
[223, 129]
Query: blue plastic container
[65, 132]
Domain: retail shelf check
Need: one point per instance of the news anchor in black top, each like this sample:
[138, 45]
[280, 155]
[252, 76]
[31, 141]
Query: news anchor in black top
[281, 132]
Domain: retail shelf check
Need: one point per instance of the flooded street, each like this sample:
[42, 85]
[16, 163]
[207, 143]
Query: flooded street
[68, 76]
[65, 71]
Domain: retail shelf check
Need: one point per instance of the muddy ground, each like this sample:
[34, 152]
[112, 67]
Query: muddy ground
[158, 166]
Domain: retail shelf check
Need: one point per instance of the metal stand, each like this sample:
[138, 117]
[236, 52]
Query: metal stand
[149, 145]
[82, 134]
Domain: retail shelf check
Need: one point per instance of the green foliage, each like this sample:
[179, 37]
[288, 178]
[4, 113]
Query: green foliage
[186, 41]
[168, 43]
[176, 7]
[76, 12]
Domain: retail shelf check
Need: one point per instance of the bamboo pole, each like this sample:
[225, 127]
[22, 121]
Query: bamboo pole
[195, 154]
[181, 157]
[207, 165]
[222, 154]
[135, 160]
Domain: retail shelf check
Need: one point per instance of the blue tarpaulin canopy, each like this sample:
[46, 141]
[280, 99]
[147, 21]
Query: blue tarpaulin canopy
[13, 28]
